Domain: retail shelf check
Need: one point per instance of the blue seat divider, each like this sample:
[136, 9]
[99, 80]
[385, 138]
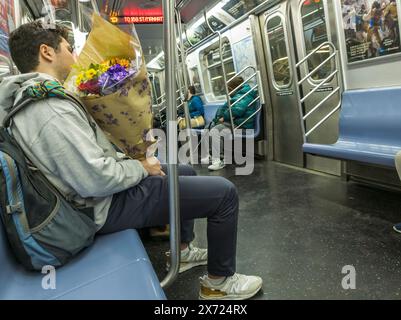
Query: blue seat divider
[115, 267]
[210, 112]
[370, 127]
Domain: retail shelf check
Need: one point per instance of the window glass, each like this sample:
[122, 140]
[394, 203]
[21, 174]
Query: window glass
[315, 33]
[195, 80]
[215, 71]
[278, 51]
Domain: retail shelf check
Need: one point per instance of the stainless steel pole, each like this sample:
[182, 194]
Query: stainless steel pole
[174, 209]
[185, 83]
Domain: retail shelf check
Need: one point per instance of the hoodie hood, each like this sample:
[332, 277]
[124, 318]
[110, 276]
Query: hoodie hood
[13, 87]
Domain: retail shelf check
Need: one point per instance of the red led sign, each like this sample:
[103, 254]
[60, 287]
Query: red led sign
[137, 20]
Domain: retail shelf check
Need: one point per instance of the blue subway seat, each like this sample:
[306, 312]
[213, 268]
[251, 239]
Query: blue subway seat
[370, 128]
[210, 112]
[115, 267]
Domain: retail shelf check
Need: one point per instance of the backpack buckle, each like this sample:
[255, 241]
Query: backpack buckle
[14, 208]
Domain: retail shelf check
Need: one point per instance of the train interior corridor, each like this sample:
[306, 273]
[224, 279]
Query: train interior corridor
[298, 229]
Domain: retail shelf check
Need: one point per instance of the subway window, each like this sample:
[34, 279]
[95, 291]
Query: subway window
[315, 33]
[279, 51]
[195, 80]
[215, 70]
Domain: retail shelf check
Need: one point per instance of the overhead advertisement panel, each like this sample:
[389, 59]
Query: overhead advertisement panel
[7, 19]
[371, 28]
[237, 8]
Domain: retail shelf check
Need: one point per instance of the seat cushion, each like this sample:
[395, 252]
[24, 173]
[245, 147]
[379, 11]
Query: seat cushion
[116, 266]
[357, 151]
[369, 127]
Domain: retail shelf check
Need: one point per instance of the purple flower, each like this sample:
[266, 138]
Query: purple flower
[114, 78]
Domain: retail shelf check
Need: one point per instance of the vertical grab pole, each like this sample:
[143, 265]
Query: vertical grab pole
[171, 102]
[186, 84]
[95, 6]
[223, 69]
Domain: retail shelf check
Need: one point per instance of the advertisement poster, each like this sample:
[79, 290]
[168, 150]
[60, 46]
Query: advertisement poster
[6, 24]
[371, 28]
[237, 8]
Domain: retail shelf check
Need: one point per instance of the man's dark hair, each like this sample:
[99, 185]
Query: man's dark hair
[25, 42]
[192, 89]
[235, 82]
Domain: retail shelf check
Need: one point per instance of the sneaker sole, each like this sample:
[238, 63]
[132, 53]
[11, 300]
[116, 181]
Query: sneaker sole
[233, 297]
[396, 230]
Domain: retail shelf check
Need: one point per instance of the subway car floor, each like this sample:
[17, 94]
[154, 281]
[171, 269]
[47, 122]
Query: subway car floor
[297, 230]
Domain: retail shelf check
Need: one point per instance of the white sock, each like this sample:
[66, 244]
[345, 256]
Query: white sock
[185, 251]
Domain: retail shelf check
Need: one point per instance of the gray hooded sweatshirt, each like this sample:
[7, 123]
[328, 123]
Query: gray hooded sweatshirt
[57, 138]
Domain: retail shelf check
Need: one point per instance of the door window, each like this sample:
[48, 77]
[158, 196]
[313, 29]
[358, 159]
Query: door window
[277, 41]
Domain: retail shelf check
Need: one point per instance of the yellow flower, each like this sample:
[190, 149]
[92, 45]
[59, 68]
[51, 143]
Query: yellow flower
[79, 79]
[111, 62]
[104, 67]
[124, 62]
[90, 74]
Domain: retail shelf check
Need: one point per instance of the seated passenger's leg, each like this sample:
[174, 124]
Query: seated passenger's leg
[187, 226]
[224, 132]
[214, 198]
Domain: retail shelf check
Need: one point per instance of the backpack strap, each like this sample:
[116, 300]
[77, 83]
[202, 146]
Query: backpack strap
[43, 90]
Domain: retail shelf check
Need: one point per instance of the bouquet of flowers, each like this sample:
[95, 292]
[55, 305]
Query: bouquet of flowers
[111, 79]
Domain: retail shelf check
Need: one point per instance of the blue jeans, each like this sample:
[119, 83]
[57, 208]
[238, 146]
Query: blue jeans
[214, 198]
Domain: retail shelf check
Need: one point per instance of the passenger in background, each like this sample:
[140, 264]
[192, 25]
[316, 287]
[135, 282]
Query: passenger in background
[196, 111]
[74, 154]
[241, 97]
[397, 227]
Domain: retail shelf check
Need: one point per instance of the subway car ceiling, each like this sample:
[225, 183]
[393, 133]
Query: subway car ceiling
[220, 14]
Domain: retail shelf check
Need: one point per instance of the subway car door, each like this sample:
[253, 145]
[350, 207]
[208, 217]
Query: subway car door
[313, 30]
[279, 56]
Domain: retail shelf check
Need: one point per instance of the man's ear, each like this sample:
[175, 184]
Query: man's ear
[46, 53]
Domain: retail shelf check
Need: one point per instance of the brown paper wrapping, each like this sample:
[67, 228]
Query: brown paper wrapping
[125, 116]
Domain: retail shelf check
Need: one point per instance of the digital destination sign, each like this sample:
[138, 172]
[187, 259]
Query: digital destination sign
[137, 20]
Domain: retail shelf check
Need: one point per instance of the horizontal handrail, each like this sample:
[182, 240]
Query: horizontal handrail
[327, 43]
[317, 68]
[323, 120]
[321, 103]
[244, 96]
[333, 55]
[164, 94]
[251, 116]
[319, 86]
[242, 71]
[219, 63]
[245, 81]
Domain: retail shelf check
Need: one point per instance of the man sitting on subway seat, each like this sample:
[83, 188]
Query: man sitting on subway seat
[56, 136]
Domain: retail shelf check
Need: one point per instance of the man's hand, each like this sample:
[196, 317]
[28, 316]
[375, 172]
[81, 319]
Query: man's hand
[153, 167]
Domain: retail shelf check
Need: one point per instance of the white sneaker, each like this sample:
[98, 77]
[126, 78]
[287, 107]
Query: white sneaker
[190, 258]
[216, 165]
[205, 160]
[236, 287]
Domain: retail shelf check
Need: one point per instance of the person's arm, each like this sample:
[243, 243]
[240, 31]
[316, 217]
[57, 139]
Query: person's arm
[239, 109]
[198, 106]
[219, 113]
[68, 143]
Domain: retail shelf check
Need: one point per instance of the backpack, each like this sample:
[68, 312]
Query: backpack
[42, 227]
